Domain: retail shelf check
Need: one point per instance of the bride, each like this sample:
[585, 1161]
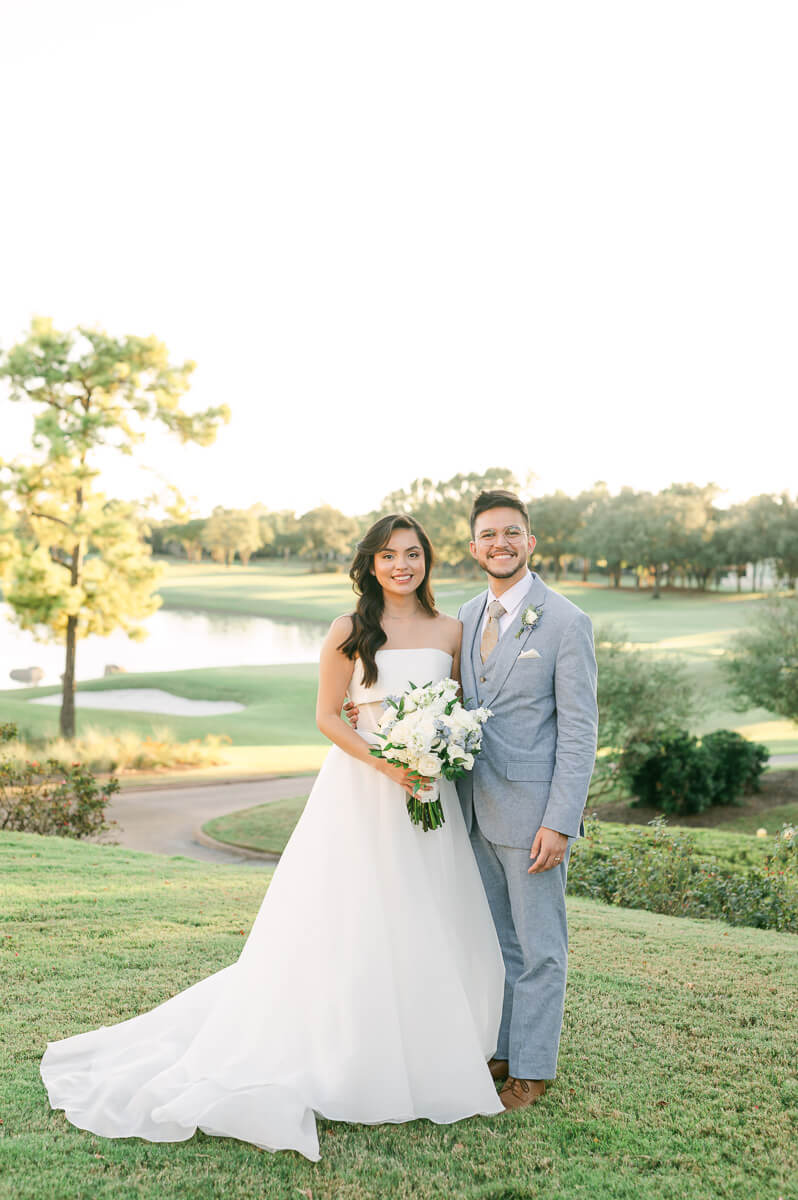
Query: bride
[370, 987]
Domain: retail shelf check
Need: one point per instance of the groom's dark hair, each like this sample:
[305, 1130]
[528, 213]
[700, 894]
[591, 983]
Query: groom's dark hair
[498, 499]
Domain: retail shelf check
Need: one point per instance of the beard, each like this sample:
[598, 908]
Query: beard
[503, 568]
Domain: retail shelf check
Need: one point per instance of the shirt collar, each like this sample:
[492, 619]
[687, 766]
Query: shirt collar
[514, 595]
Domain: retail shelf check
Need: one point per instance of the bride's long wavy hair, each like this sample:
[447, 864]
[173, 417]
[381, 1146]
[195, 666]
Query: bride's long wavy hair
[367, 633]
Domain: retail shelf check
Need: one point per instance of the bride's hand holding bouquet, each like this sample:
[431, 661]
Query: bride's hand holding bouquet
[428, 734]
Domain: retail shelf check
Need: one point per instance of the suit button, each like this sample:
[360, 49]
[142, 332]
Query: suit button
[482, 678]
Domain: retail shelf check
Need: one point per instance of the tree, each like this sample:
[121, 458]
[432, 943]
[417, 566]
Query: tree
[231, 531]
[730, 544]
[762, 521]
[188, 535]
[327, 533]
[556, 521]
[786, 544]
[287, 535]
[692, 533]
[610, 528]
[763, 667]
[75, 562]
[444, 508]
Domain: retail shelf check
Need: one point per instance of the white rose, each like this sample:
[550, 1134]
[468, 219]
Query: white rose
[429, 764]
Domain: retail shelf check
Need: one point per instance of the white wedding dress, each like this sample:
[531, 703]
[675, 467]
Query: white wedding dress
[369, 989]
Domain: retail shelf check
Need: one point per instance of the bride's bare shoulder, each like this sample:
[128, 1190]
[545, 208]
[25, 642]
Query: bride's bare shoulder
[452, 630]
[339, 630]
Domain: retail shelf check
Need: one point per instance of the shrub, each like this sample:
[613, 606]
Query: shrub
[676, 777]
[660, 870]
[735, 762]
[53, 799]
[685, 775]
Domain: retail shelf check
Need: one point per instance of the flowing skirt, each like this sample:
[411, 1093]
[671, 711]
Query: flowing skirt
[369, 990]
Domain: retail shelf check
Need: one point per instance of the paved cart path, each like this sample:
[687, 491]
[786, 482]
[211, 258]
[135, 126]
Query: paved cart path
[166, 820]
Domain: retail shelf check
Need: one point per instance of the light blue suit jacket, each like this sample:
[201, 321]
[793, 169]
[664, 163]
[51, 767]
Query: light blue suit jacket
[539, 747]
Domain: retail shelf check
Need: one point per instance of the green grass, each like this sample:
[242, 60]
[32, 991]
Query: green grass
[676, 1077]
[280, 705]
[266, 827]
[771, 819]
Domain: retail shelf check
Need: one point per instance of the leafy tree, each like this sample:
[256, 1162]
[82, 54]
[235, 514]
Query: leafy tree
[641, 700]
[690, 549]
[188, 535]
[762, 520]
[287, 536]
[556, 521]
[444, 509]
[231, 531]
[763, 667]
[327, 533]
[786, 541]
[74, 561]
[730, 543]
[609, 532]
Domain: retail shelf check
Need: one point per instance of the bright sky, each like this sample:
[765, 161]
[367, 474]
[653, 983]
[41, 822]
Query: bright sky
[410, 239]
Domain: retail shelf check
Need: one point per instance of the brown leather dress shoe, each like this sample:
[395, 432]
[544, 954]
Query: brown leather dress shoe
[499, 1068]
[518, 1093]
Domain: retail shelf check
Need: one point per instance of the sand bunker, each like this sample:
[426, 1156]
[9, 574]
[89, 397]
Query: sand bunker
[152, 700]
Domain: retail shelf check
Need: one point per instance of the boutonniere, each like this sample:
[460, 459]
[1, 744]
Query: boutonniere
[529, 618]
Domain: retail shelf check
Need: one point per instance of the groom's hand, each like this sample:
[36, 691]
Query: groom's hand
[352, 713]
[548, 850]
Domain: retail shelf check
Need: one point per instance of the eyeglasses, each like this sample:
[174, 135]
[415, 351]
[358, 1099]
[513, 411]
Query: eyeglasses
[513, 533]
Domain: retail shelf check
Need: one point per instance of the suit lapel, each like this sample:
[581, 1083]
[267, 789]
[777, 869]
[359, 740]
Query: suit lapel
[470, 628]
[509, 646]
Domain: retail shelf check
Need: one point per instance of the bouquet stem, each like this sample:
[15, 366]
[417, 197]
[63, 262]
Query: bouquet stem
[426, 813]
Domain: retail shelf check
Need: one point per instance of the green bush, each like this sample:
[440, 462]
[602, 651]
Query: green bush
[735, 762]
[686, 775]
[661, 870]
[54, 798]
[676, 777]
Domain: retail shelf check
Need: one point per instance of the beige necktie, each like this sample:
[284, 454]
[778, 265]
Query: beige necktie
[490, 634]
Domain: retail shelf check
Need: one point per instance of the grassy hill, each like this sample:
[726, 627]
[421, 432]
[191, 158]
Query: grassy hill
[676, 1079]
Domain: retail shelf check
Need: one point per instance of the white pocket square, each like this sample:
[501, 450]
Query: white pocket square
[530, 654]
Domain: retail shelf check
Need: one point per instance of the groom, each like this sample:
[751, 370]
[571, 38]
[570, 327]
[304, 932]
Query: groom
[527, 655]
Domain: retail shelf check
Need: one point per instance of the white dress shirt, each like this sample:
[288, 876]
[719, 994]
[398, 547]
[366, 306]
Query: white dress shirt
[511, 602]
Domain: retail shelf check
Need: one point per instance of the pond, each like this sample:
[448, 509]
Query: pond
[177, 640]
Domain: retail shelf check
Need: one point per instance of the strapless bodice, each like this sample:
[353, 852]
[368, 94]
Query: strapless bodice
[396, 670]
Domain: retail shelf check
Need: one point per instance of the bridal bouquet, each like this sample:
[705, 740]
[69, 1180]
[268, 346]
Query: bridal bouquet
[428, 730]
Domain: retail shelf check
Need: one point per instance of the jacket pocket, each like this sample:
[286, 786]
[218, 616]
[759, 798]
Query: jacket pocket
[534, 770]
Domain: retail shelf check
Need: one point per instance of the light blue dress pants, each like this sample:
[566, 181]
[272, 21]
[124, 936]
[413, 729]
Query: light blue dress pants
[529, 912]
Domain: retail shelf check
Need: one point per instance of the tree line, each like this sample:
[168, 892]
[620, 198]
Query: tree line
[75, 561]
[675, 537]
